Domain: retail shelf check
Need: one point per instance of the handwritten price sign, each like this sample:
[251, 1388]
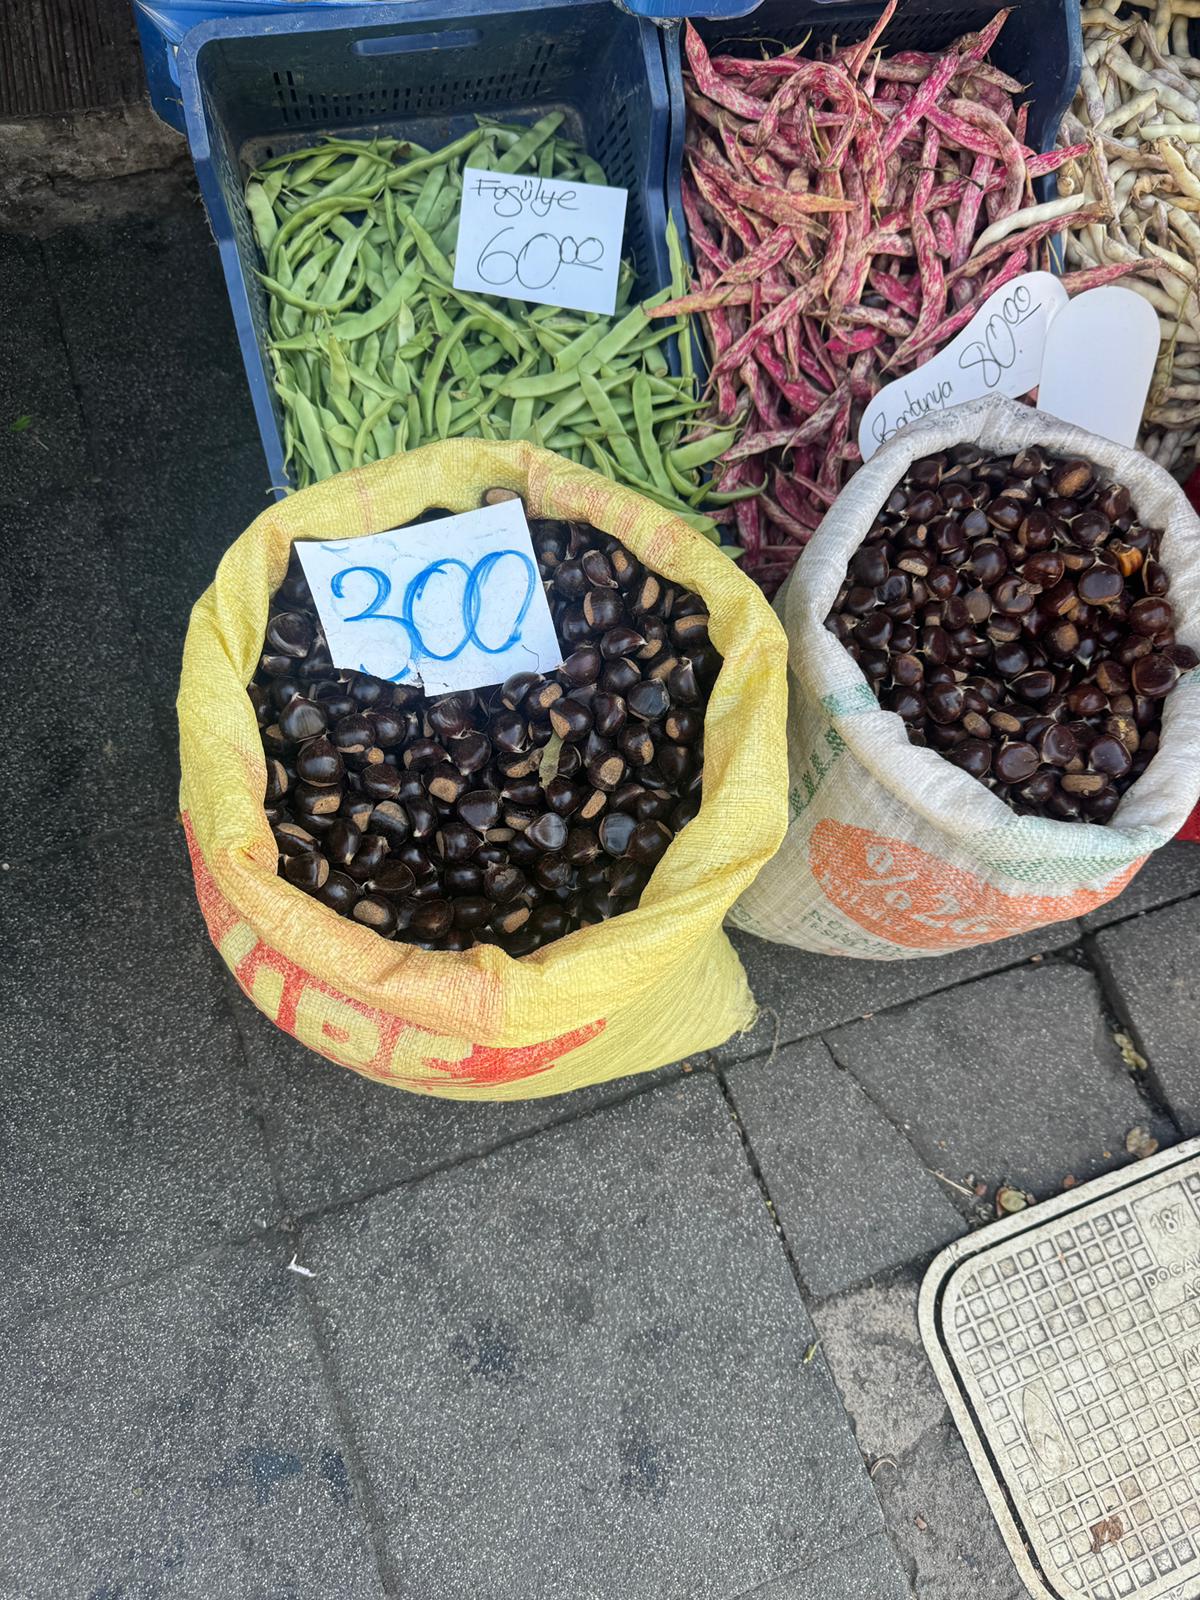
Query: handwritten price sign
[452, 604]
[998, 352]
[540, 239]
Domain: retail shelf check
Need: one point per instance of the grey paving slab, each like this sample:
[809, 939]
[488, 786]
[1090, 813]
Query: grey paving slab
[1153, 966]
[937, 1516]
[35, 382]
[1014, 1078]
[150, 332]
[173, 1440]
[1172, 873]
[852, 1195]
[82, 754]
[335, 1136]
[127, 1127]
[591, 1340]
[801, 994]
[939, 1519]
[169, 523]
[866, 1571]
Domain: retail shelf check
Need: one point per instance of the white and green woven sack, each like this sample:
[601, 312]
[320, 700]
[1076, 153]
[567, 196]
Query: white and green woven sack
[891, 850]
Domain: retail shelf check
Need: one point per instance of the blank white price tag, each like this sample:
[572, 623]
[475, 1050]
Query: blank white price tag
[452, 604]
[1100, 355]
[540, 239]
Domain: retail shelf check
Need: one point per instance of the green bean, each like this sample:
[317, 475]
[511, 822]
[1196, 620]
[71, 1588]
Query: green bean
[313, 162]
[370, 382]
[402, 377]
[433, 369]
[340, 269]
[339, 371]
[701, 451]
[351, 328]
[730, 497]
[290, 298]
[357, 173]
[538, 386]
[625, 332]
[679, 481]
[509, 335]
[262, 215]
[439, 158]
[529, 142]
[606, 415]
[310, 212]
[643, 417]
[429, 192]
[521, 420]
[560, 413]
[441, 413]
[655, 361]
[312, 435]
[604, 463]
[569, 358]
[444, 214]
[338, 433]
[368, 356]
[484, 357]
[432, 256]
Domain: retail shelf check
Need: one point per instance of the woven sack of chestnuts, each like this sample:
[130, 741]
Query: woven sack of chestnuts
[429, 969]
[994, 696]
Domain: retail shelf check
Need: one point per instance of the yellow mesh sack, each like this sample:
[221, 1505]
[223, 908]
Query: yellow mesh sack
[654, 985]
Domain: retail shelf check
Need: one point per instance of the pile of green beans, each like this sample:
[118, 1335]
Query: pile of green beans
[375, 350]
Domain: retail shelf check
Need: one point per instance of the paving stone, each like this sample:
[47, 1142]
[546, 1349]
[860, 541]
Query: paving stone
[48, 454]
[866, 1571]
[1153, 965]
[921, 1469]
[852, 1195]
[801, 994]
[170, 522]
[335, 1135]
[174, 1438]
[151, 336]
[577, 1367]
[82, 755]
[127, 1125]
[1014, 1078]
[1170, 874]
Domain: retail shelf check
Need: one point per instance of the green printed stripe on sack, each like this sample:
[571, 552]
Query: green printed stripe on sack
[850, 702]
[814, 772]
[1018, 852]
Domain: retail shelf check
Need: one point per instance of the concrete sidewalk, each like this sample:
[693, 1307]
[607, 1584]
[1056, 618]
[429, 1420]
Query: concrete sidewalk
[652, 1341]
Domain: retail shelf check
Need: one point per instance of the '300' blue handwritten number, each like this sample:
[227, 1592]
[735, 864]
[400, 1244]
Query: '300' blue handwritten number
[472, 605]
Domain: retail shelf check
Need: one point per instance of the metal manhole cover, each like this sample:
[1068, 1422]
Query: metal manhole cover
[1067, 1342]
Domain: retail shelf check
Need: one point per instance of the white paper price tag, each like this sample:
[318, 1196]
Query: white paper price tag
[540, 239]
[452, 604]
[1099, 361]
[998, 352]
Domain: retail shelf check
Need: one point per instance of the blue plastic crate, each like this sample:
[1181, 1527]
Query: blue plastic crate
[161, 29]
[255, 87]
[1040, 45]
